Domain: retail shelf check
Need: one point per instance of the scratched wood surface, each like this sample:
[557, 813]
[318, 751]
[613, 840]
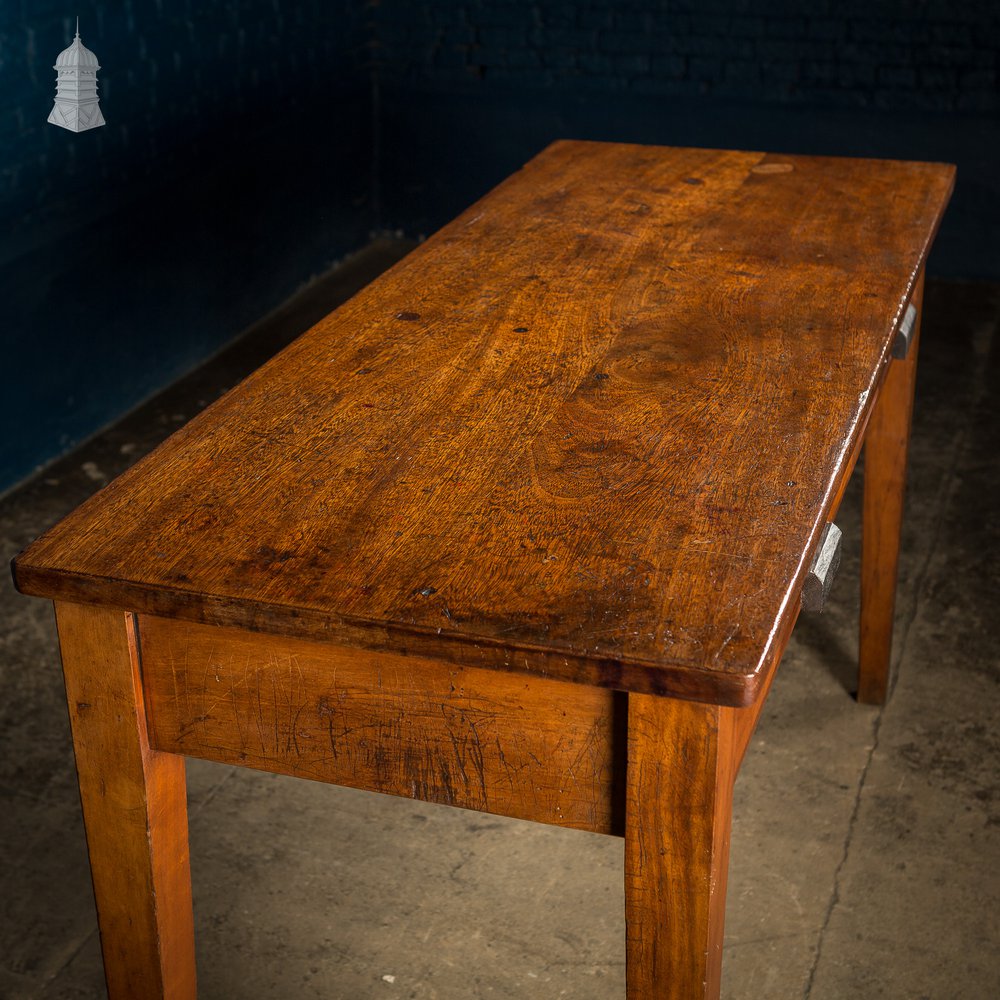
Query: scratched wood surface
[498, 742]
[591, 429]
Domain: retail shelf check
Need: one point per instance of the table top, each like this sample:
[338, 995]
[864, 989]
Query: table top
[591, 429]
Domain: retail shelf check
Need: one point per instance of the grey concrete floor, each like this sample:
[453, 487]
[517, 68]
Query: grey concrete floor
[866, 841]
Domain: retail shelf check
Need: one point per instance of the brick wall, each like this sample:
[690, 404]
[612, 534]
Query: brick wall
[470, 89]
[181, 81]
[235, 163]
[937, 55]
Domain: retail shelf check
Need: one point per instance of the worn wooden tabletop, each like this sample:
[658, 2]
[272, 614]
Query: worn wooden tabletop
[591, 429]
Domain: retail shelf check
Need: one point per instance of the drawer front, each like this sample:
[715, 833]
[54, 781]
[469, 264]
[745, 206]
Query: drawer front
[500, 742]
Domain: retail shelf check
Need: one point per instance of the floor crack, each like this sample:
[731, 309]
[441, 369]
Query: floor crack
[835, 895]
[70, 958]
[945, 496]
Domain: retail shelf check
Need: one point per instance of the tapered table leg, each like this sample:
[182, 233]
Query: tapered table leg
[681, 768]
[886, 444]
[134, 809]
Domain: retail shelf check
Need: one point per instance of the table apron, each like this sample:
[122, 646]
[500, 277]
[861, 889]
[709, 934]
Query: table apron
[511, 744]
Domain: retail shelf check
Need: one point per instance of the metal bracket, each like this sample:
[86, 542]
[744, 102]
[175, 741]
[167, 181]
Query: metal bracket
[823, 569]
[904, 335]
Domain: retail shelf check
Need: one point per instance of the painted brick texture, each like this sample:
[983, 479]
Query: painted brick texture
[938, 55]
[235, 164]
[178, 79]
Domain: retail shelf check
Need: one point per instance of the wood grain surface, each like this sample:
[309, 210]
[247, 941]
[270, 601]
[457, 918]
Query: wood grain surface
[135, 811]
[592, 429]
[682, 763]
[886, 446]
[499, 742]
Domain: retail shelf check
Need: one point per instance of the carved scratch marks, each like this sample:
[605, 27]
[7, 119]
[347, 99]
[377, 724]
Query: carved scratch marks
[496, 742]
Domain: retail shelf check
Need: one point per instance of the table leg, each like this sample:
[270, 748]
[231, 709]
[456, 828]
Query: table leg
[134, 809]
[886, 443]
[681, 768]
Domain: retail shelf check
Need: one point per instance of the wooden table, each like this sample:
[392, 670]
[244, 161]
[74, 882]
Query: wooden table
[523, 527]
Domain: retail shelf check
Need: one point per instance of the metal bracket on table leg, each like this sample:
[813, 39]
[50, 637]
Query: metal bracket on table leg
[823, 569]
[904, 335]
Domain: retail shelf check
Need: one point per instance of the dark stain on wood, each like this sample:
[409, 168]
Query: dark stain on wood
[633, 530]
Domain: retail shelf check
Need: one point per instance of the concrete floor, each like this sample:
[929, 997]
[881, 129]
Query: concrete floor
[866, 842]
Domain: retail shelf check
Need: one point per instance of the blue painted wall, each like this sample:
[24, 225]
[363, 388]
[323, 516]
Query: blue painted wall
[235, 164]
[471, 88]
[249, 144]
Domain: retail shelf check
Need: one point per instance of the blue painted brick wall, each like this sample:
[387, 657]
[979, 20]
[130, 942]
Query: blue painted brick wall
[472, 88]
[235, 164]
[180, 78]
[939, 55]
